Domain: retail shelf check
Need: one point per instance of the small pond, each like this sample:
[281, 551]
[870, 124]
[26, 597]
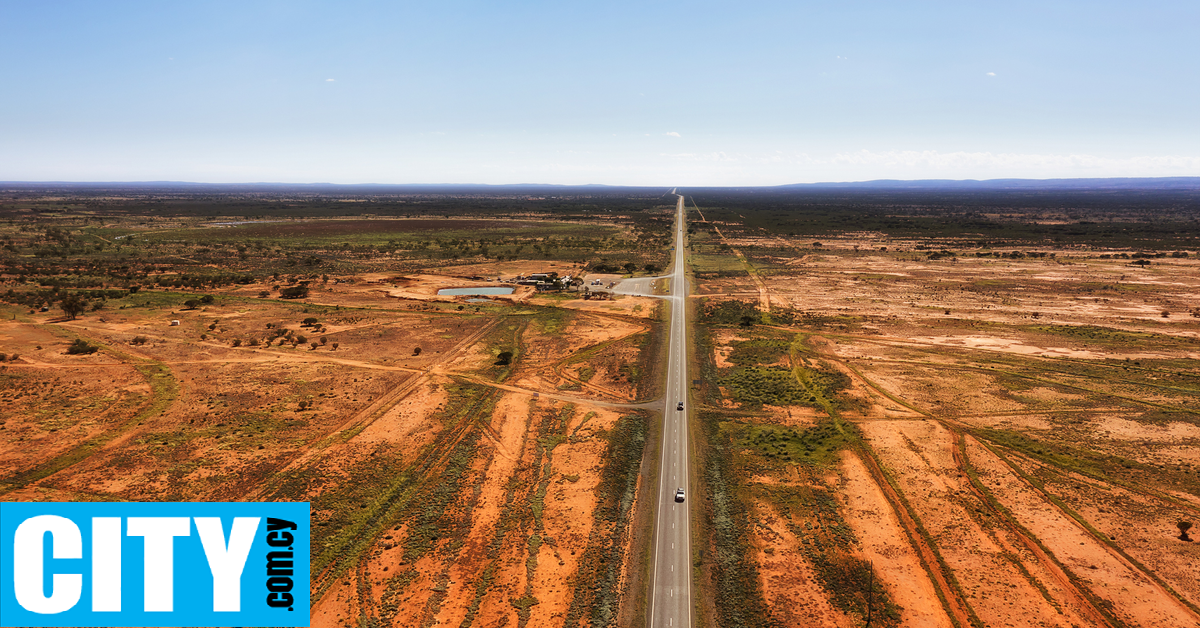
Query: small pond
[481, 290]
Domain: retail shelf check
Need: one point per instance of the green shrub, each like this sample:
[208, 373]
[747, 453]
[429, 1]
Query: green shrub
[81, 347]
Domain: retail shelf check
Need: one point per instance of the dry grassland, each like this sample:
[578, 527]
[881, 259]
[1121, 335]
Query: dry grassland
[970, 440]
[448, 485]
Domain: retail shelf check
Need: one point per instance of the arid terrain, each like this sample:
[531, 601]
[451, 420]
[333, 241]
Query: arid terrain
[469, 460]
[898, 423]
[928, 432]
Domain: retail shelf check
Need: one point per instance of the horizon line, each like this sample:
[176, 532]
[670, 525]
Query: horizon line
[929, 182]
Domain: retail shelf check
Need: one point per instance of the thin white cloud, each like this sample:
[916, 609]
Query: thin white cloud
[991, 74]
[713, 156]
[672, 134]
[329, 80]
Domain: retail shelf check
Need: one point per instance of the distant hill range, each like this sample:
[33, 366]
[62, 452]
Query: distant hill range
[1123, 183]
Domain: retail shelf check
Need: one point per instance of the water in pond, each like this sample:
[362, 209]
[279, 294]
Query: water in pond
[475, 291]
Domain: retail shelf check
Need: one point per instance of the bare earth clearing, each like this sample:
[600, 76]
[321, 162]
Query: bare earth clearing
[889, 431]
[447, 485]
[1019, 434]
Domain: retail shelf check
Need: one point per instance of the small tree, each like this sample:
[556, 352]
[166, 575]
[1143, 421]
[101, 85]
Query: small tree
[335, 346]
[416, 351]
[1184, 526]
[73, 305]
[314, 345]
[191, 304]
[206, 299]
[504, 359]
[309, 322]
[324, 340]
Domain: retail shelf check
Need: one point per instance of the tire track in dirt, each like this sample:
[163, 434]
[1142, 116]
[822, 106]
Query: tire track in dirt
[646, 405]
[952, 601]
[1083, 600]
[164, 389]
[1048, 367]
[361, 419]
[764, 291]
[946, 587]
[397, 498]
[1101, 539]
[958, 421]
[556, 367]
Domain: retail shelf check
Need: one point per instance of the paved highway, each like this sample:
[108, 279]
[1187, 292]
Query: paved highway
[671, 584]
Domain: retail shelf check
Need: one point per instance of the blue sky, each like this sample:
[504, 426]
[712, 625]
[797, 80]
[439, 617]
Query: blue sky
[640, 93]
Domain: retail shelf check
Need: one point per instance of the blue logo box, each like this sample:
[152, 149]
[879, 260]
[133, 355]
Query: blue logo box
[154, 564]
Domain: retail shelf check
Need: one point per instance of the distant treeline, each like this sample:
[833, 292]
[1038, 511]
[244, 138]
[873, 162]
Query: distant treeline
[1155, 219]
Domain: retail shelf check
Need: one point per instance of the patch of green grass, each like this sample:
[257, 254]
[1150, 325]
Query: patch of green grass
[734, 572]
[716, 263]
[756, 386]
[1099, 334]
[1087, 462]
[758, 351]
[815, 445]
[553, 320]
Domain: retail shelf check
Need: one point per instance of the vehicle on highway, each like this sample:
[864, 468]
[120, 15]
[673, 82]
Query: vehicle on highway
[679, 494]
[680, 406]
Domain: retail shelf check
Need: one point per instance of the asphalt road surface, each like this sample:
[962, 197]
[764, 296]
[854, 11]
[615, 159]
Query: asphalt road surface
[671, 586]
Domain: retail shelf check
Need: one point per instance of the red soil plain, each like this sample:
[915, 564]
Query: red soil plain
[882, 438]
[445, 487]
[1005, 442]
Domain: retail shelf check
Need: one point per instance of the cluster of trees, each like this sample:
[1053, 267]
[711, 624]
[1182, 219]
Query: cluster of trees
[629, 267]
[294, 292]
[192, 304]
[72, 303]
[285, 335]
[193, 282]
